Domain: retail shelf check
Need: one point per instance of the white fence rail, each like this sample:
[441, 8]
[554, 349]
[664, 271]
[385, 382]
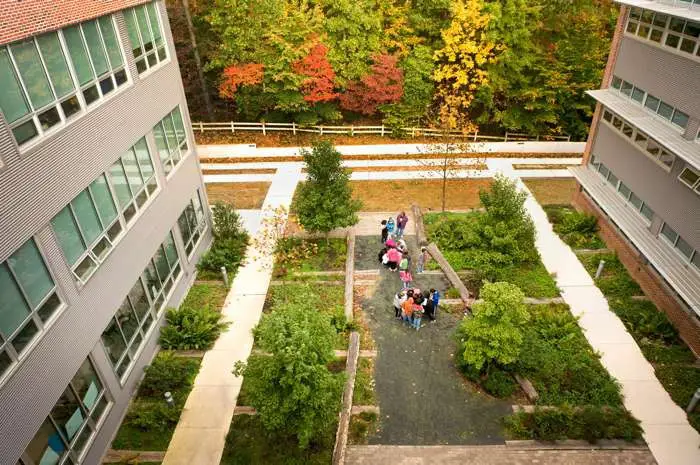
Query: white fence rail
[382, 130]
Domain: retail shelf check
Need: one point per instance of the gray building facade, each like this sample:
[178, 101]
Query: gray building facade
[102, 219]
[642, 161]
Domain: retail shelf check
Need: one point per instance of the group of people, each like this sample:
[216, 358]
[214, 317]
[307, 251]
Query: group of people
[410, 304]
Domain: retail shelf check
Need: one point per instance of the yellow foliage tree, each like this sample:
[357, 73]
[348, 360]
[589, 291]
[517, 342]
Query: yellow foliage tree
[460, 66]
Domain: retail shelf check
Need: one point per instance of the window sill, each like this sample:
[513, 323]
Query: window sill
[153, 69]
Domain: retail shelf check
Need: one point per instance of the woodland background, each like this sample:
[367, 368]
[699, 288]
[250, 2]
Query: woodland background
[516, 65]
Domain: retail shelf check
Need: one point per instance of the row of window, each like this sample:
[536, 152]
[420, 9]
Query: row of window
[622, 189]
[128, 329]
[89, 226]
[66, 432]
[50, 79]
[667, 232]
[670, 31]
[650, 102]
[649, 146]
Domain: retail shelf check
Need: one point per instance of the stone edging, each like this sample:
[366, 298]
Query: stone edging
[119, 456]
[341, 437]
[575, 444]
[357, 409]
[350, 275]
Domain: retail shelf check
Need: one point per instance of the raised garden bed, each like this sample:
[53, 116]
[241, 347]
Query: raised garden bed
[298, 256]
[552, 191]
[149, 423]
[364, 383]
[243, 195]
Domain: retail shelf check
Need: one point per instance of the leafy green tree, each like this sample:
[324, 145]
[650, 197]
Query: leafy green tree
[292, 389]
[325, 200]
[417, 91]
[515, 96]
[494, 334]
[354, 31]
[506, 227]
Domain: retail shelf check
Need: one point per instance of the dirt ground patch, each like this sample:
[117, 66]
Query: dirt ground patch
[242, 171]
[401, 194]
[552, 191]
[243, 195]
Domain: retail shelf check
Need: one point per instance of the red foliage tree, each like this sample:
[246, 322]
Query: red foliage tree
[384, 84]
[320, 77]
[234, 76]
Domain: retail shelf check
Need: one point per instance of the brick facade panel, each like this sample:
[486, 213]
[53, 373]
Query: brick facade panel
[648, 280]
[39, 16]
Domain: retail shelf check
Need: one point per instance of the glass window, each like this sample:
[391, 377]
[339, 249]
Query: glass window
[192, 223]
[145, 35]
[624, 190]
[612, 179]
[120, 184]
[171, 139]
[689, 176]
[103, 200]
[86, 214]
[607, 116]
[666, 158]
[647, 212]
[28, 300]
[32, 72]
[56, 64]
[640, 139]
[47, 447]
[685, 248]
[626, 88]
[665, 110]
[616, 82]
[680, 118]
[39, 76]
[636, 201]
[669, 233]
[68, 235]
[652, 102]
[638, 94]
[696, 260]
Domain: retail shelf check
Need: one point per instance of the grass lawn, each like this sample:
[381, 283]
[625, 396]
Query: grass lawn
[378, 196]
[558, 216]
[364, 383]
[243, 195]
[296, 255]
[550, 191]
[248, 442]
[149, 424]
[206, 295]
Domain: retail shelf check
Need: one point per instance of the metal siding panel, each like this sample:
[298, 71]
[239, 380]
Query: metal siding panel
[661, 72]
[34, 188]
[670, 199]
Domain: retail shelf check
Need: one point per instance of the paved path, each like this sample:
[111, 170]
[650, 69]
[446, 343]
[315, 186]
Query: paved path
[666, 429]
[200, 435]
[421, 395]
[239, 150]
[490, 455]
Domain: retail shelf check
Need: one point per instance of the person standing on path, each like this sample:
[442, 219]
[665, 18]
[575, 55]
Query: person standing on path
[399, 298]
[422, 260]
[385, 232]
[417, 316]
[435, 297]
[401, 222]
[407, 310]
[406, 278]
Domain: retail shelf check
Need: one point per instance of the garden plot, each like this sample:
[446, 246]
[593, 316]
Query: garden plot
[303, 310]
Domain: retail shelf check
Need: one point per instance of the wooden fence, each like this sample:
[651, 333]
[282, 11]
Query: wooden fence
[382, 130]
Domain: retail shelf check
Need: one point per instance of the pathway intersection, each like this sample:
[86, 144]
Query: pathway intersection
[200, 434]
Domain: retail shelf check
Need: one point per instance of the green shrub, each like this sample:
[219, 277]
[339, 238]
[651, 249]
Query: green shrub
[230, 241]
[500, 384]
[190, 328]
[578, 222]
[644, 320]
[152, 416]
[590, 423]
[168, 373]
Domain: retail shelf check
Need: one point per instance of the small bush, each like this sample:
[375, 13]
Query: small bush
[230, 241]
[589, 423]
[168, 373]
[578, 222]
[153, 416]
[500, 384]
[191, 328]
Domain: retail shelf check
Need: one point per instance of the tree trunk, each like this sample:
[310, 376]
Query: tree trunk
[444, 190]
[198, 60]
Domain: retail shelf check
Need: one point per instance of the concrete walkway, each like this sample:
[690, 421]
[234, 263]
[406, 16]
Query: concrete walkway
[239, 150]
[200, 435]
[666, 429]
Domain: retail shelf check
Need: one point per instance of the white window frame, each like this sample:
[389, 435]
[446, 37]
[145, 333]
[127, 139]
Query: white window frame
[694, 55]
[695, 187]
[77, 91]
[161, 62]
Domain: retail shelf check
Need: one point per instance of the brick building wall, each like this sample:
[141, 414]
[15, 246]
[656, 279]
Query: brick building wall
[20, 19]
[650, 282]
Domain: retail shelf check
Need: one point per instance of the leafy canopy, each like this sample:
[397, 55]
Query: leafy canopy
[292, 389]
[494, 335]
[325, 200]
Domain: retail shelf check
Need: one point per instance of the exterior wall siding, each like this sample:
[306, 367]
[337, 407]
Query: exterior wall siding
[658, 70]
[664, 193]
[34, 186]
[651, 283]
